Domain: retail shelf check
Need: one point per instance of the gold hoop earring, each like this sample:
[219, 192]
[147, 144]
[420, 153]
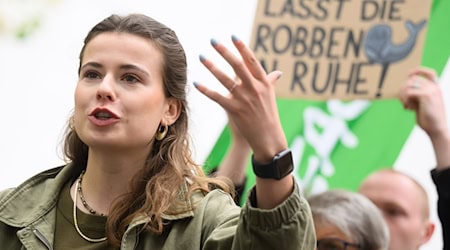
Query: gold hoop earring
[72, 123]
[162, 132]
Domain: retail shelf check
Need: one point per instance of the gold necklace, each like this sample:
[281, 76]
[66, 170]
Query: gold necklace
[75, 222]
[83, 200]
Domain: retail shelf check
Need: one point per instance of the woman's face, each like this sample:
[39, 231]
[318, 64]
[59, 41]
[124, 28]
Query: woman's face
[330, 237]
[119, 98]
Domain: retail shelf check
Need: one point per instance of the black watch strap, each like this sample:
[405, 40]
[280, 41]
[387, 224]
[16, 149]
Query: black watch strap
[280, 166]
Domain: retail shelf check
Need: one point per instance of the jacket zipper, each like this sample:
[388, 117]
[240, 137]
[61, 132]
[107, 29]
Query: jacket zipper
[41, 237]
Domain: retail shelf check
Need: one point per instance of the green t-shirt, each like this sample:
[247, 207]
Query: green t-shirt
[66, 236]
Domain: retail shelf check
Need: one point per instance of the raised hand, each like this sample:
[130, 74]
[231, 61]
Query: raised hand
[251, 105]
[422, 94]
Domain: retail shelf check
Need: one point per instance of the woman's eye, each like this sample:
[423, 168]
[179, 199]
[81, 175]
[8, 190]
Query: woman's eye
[130, 79]
[91, 75]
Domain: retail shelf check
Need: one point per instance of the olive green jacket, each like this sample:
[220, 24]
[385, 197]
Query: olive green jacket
[27, 220]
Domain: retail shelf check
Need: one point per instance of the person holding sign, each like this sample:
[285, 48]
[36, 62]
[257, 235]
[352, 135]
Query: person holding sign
[131, 183]
[403, 200]
[422, 94]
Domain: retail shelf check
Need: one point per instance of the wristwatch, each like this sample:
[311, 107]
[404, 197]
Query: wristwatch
[280, 166]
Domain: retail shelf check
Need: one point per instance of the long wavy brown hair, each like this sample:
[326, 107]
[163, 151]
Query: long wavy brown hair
[169, 163]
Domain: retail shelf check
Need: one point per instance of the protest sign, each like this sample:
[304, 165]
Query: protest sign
[342, 49]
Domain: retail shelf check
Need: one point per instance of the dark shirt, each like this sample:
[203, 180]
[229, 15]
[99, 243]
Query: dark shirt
[66, 236]
[441, 179]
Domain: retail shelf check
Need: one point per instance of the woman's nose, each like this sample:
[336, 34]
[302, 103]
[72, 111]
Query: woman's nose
[105, 90]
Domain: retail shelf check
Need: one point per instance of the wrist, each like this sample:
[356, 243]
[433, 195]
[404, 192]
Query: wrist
[441, 146]
[278, 167]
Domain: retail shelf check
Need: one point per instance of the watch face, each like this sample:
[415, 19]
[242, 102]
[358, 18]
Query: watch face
[280, 166]
[284, 163]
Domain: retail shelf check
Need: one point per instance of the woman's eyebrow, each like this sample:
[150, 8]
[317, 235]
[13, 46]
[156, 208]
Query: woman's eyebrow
[134, 67]
[91, 64]
[122, 67]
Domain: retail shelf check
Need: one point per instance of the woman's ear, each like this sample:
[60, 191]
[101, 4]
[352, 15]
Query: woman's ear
[173, 111]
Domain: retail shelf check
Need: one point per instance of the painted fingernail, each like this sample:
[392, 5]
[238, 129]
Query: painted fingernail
[202, 58]
[195, 84]
[234, 38]
[213, 42]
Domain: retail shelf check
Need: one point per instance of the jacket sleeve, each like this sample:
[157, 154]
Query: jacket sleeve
[441, 179]
[287, 226]
[4, 193]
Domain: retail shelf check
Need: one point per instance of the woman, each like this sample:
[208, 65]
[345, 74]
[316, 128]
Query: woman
[347, 220]
[130, 182]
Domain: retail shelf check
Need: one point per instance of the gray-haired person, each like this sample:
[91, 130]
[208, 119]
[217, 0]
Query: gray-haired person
[347, 220]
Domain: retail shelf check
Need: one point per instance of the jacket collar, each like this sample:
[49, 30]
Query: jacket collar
[34, 198]
[38, 195]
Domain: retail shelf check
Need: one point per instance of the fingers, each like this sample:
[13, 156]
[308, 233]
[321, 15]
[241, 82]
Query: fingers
[238, 66]
[213, 95]
[421, 82]
[253, 65]
[227, 82]
[409, 94]
[250, 75]
[247, 68]
[414, 89]
[426, 73]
